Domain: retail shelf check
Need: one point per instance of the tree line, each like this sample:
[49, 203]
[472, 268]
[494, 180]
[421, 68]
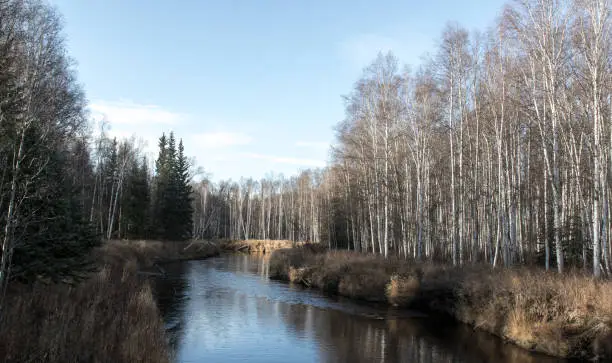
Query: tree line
[498, 149]
[128, 200]
[62, 188]
[271, 208]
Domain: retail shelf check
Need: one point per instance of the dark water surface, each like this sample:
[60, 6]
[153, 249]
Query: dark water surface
[225, 309]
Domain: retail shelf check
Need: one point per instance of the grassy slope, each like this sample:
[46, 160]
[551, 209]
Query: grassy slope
[111, 317]
[562, 315]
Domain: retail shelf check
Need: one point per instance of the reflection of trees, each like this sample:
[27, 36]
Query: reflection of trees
[254, 263]
[349, 338]
[346, 338]
[170, 294]
[229, 302]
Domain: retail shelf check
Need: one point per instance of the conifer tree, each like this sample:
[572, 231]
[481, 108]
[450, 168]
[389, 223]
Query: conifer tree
[172, 208]
[161, 182]
[136, 201]
[184, 210]
[54, 239]
[171, 219]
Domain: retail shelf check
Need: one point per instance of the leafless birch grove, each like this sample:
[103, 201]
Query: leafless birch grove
[496, 149]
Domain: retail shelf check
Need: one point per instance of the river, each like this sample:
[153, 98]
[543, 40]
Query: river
[225, 309]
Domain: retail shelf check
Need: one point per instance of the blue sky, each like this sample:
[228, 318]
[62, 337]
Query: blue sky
[252, 86]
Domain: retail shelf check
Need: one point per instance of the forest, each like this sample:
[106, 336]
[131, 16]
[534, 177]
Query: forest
[497, 149]
[64, 189]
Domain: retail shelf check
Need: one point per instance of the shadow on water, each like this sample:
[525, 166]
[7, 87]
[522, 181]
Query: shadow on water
[171, 294]
[226, 309]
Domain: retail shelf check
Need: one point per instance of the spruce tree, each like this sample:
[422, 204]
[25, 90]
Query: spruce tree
[184, 207]
[172, 207]
[171, 219]
[161, 182]
[54, 238]
[136, 201]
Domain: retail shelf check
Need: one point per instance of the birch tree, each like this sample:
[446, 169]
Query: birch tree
[593, 30]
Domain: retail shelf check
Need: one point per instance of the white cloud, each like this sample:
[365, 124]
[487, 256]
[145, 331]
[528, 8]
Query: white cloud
[286, 160]
[223, 151]
[130, 113]
[144, 122]
[217, 140]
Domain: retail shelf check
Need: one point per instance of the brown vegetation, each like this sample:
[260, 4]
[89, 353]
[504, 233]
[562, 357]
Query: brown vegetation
[149, 252]
[110, 317]
[566, 315]
[258, 246]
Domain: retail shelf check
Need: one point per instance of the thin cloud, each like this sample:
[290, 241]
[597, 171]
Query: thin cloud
[140, 122]
[130, 113]
[286, 160]
[217, 140]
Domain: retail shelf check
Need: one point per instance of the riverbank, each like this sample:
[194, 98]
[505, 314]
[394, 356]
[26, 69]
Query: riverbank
[109, 317]
[561, 315]
[258, 246]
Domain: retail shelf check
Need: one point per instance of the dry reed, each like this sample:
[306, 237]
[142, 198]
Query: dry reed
[110, 317]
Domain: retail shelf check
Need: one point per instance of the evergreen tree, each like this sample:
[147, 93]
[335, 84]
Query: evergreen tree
[171, 219]
[53, 239]
[136, 201]
[45, 166]
[171, 152]
[161, 182]
[83, 172]
[172, 208]
[184, 207]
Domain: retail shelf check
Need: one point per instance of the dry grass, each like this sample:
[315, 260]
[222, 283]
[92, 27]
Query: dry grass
[563, 315]
[111, 317]
[259, 246]
[146, 253]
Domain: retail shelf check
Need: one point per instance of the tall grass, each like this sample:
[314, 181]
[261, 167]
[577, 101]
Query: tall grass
[566, 315]
[110, 317]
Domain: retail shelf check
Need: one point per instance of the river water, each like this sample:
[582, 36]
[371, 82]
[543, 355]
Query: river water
[225, 309]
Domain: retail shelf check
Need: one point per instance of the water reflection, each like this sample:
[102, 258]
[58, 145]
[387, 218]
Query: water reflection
[171, 294]
[226, 310]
